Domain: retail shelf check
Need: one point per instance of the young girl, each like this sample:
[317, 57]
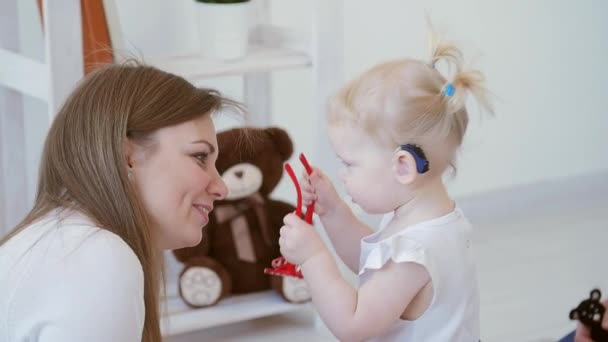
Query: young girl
[397, 129]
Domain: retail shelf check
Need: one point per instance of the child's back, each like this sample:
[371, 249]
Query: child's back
[443, 246]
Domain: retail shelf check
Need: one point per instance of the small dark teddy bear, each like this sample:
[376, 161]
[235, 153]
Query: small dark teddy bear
[241, 238]
[590, 312]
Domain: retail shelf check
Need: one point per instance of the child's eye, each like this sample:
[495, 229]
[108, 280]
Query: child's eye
[346, 164]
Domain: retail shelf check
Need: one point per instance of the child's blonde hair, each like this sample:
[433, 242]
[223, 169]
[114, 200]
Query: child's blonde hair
[408, 101]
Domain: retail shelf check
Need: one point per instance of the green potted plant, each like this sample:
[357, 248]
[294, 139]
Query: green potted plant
[224, 28]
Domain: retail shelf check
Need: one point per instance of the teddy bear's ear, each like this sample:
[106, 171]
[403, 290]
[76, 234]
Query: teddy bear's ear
[281, 140]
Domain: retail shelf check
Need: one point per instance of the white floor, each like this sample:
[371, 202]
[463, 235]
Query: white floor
[541, 249]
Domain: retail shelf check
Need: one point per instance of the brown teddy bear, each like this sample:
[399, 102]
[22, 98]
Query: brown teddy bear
[242, 236]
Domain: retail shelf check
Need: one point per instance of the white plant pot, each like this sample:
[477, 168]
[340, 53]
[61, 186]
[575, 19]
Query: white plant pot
[224, 29]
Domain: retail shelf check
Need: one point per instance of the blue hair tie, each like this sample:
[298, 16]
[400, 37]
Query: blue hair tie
[449, 89]
[422, 164]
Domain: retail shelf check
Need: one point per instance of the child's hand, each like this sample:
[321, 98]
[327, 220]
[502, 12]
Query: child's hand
[583, 334]
[299, 241]
[317, 187]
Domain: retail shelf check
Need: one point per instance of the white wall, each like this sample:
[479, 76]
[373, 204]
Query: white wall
[18, 188]
[36, 117]
[544, 60]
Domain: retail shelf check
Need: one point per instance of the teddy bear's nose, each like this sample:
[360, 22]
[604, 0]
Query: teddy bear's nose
[239, 174]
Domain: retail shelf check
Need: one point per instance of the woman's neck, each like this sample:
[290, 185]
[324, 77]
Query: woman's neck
[428, 202]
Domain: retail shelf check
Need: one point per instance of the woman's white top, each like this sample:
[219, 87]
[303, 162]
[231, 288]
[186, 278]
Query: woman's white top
[64, 279]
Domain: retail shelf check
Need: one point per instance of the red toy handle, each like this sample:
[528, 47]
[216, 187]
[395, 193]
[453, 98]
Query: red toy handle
[294, 179]
[280, 266]
[310, 210]
[305, 163]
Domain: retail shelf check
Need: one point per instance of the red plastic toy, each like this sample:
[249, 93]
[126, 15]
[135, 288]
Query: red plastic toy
[280, 266]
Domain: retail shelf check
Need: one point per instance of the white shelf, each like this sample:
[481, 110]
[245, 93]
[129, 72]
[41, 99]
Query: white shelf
[25, 75]
[272, 48]
[182, 319]
[259, 59]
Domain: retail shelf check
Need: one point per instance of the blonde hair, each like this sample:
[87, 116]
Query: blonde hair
[405, 101]
[84, 163]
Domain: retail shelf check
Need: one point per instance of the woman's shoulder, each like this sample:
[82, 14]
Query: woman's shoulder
[70, 242]
[80, 242]
[70, 271]
[98, 247]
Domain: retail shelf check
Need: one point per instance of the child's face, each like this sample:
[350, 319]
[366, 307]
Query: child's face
[178, 182]
[366, 170]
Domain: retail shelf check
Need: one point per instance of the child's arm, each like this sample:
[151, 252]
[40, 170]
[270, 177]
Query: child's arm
[360, 315]
[345, 232]
[344, 229]
[348, 313]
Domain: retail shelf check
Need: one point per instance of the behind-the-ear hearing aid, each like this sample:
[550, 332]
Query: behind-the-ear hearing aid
[422, 164]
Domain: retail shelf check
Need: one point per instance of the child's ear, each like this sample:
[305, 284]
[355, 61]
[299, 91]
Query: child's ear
[404, 167]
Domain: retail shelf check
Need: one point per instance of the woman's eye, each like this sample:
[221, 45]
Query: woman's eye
[201, 157]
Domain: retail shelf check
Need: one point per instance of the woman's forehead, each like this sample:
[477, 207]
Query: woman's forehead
[201, 128]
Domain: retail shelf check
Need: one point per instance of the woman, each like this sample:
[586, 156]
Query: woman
[128, 170]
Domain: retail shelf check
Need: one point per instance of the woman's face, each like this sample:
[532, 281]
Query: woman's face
[177, 180]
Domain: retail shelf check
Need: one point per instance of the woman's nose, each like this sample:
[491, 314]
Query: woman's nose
[218, 189]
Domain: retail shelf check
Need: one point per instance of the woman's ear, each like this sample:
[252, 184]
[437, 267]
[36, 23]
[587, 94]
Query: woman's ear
[404, 167]
[137, 151]
[130, 149]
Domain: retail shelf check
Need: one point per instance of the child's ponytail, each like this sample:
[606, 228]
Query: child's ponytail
[410, 101]
[464, 82]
